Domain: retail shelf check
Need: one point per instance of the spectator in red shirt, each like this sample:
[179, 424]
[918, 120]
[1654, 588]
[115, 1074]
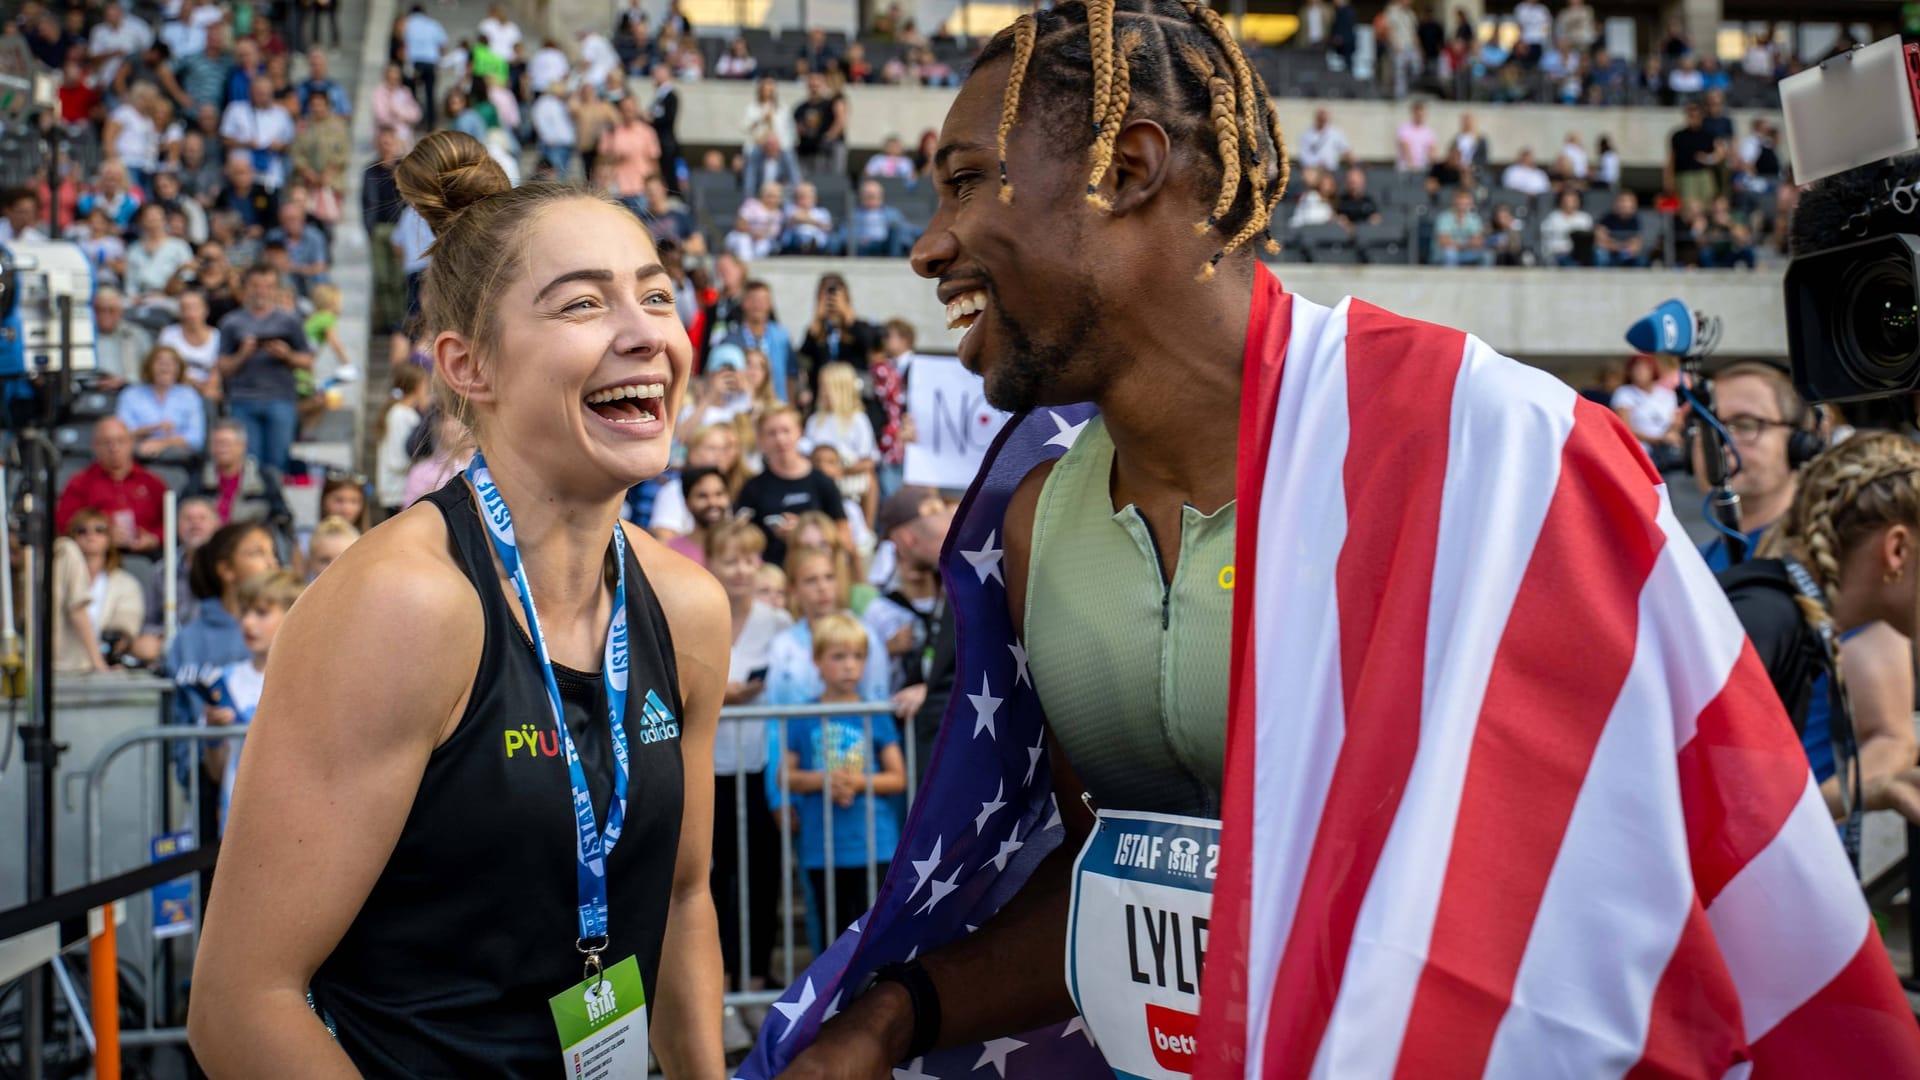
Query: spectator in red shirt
[129, 495]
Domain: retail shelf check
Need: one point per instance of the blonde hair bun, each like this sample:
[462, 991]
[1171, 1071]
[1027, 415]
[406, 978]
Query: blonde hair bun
[444, 174]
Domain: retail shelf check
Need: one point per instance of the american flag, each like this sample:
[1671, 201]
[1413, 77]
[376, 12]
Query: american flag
[1526, 804]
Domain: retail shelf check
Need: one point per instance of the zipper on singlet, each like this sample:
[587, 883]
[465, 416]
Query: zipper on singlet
[1159, 564]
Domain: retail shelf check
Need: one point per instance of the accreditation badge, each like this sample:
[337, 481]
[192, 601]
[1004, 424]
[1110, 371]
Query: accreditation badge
[1137, 938]
[603, 1025]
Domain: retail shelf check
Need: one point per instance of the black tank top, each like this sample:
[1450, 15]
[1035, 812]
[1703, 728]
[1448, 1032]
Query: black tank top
[447, 969]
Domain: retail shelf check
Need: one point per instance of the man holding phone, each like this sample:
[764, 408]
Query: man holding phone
[260, 346]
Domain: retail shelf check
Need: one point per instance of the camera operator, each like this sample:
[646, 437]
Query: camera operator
[1759, 407]
[1853, 527]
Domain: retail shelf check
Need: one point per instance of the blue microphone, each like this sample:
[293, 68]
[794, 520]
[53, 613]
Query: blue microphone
[1668, 330]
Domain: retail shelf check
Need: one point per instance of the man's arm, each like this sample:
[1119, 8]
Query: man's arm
[989, 982]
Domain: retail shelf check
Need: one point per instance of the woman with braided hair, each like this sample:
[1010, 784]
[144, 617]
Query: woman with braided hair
[1852, 528]
[1287, 640]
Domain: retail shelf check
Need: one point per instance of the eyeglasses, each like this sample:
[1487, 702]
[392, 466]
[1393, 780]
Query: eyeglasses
[1750, 428]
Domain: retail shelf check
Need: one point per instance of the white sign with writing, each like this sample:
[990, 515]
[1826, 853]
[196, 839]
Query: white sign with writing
[953, 423]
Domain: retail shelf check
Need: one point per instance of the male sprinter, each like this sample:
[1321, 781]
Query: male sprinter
[1385, 647]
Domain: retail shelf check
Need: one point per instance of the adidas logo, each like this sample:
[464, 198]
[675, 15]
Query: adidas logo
[657, 722]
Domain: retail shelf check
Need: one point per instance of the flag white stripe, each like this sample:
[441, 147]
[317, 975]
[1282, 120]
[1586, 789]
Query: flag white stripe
[1716, 630]
[1297, 638]
[1800, 880]
[1505, 419]
[1582, 1012]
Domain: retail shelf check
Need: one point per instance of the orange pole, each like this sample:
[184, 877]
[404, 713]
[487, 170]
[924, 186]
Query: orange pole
[103, 968]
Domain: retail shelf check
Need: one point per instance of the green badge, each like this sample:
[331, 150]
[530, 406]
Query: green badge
[602, 1023]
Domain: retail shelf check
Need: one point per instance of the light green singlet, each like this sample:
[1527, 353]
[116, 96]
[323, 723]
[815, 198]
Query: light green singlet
[1132, 672]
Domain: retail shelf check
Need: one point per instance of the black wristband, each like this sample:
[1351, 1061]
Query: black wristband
[926, 1003]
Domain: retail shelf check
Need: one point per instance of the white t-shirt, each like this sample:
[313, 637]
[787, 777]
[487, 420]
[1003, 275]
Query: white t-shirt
[138, 141]
[1576, 158]
[260, 129]
[1649, 412]
[1526, 179]
[1323, 148]
[597, 53]
[131, 39]
[742, 744]
[552, 123]
[198, 358]
[670, 510]
[390, 481]
[548, 66]
[1536, 22]
[244, 683]
[1557, 229]
[852, 436]
[501, 34]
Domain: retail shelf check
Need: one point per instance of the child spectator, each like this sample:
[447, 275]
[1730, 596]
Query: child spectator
[833, 762]
[331, 538]
[264, 601]
[826, 459]
[447, 453]
[819, 588]
[407, 400]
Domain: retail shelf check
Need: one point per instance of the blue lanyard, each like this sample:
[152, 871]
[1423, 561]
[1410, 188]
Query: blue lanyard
[593, 846]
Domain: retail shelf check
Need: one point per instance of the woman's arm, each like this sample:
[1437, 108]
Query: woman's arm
[1877, 664]
[685, 1026]
[333, 762]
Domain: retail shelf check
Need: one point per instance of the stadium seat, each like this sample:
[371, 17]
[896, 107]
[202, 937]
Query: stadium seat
[1383, 242]
[1327, 244]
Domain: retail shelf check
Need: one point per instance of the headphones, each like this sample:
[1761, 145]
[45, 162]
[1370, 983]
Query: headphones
[1807, 438]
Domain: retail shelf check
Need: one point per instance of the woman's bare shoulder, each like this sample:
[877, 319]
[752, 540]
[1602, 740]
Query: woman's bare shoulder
[692, 599]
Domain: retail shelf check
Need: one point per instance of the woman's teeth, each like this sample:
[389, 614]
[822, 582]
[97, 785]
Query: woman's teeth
[639, 391]
[964, 309]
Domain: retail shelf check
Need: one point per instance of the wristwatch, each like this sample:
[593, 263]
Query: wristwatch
[924, 996]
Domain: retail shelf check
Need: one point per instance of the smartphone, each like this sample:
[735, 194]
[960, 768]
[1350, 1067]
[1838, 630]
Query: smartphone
[758, 674]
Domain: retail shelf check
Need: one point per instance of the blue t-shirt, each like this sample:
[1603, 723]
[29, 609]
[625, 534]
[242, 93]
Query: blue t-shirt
[1717, 556]
[836, 743]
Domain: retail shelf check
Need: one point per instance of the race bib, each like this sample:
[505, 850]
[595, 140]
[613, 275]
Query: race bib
[603, 1025]
[1137, 938]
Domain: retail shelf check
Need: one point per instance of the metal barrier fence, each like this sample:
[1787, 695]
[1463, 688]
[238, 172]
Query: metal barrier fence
[737, 723]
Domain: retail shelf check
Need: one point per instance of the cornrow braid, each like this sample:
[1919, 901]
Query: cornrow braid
[1023, 29]
[1848, 493]
[1187, 73]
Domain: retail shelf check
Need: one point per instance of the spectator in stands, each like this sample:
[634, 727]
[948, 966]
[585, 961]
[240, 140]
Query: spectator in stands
[629, 151]
[1559, 229]
[709, 504]
[407, 401]
[423, 40]
[1536, 29]
[194, 522]
[331, 538]
[1617, 239]
[1652, 412]
[789, 487]
[723, 305]
[117, 37]
[553, 128]
[260, 126]
[395, 107]
[119, 344]
[1693, 159]
[891, 163]
[443, 455]
[1576, 25]
[194, 340]
[242, 487]
[321, 153]
[1343, 37]
[1318, 193]
[201, 176]
[1354, 204]
[722, 394]
[21, 220]
[769, 136]
[1608, 77]
[1459, 234]
[1323, 146]
[808, 226]
[758, 332]
[260, 346]
[663, 112]
[820, 589]
[200, 78]
[1715, 121]
[115, 485]
[1760, 61]
[1724, 241]
[666, 217]
[715, 447]
[130, 134]
[306, 248]
[737, 63]
[1526, 176]
[100, 605]
[1574, 165]
[166, 417]
[819, 53]
[1400, 60]
[114, 193]
[248, 197]
[1506, 238]
[1756, 167]
[820, 128]
[757, 227]
[878, 229]
[836, 333]
[1414, 142]
[106, 251]
[592, 119]
[1606, 162]
[1448, 173]
[906, 615]
[1685, 79]
[211, 639]
[319, 83]
[841, 421]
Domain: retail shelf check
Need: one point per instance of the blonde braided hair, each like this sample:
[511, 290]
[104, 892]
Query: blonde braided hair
[1023, 29]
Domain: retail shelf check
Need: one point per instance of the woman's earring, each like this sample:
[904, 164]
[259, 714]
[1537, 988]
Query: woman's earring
[1891, 576]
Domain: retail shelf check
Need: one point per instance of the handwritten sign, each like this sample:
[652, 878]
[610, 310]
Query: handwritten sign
[953, 422]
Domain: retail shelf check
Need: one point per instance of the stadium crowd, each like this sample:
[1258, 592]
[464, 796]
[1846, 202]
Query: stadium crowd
[206, 176]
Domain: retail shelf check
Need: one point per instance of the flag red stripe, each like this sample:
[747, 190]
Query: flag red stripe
[1695, 1029]
[1858, 1025]
[1741, 775]
[1538, 726]
[1222, 1031]
[1394, 472]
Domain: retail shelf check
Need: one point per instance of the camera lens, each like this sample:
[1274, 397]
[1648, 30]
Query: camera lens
[1880, 324]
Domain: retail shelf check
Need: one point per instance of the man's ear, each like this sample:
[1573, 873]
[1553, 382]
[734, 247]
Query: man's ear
[1142, 156]
[456, 361]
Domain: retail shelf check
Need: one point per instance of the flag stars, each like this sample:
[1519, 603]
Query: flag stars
[986, 559]
[794, 1010]
[984, 706]
[1064, 433]
[1033, 756]
[939, 890]
[995, 1053]
[1020, 664]
[915, 1070]
[924, 868]
[1007, 848]
[990, 807]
